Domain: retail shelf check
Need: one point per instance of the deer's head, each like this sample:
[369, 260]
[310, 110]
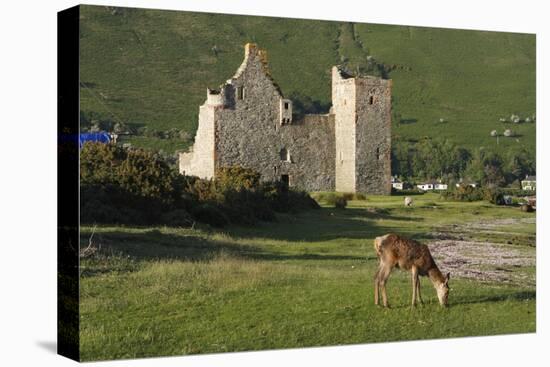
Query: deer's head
[443, 291]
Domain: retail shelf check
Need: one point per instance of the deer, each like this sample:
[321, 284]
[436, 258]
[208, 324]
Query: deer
[394, 251]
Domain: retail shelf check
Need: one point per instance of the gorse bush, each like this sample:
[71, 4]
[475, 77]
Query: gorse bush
[283, 200]
[211, 214]
[125, 186]
[139, 187]
[331, 198]
[494, 196]
[341, 202]
[464, 193]
[237, 178]
[138, 172]
[469, 193]
[177, 218]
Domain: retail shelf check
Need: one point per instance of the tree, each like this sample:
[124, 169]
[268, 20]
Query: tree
[487, 168]
[518, 165]
[475, 169]
[461, 159]
[401, 159]
[439, 158]
[493, 170]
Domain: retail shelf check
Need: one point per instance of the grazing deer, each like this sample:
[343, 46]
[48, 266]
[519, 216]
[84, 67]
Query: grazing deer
[394, 251]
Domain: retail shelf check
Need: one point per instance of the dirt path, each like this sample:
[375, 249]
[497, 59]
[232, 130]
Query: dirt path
[456, 250]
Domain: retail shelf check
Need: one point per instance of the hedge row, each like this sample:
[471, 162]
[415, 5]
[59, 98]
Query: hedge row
[122, 186]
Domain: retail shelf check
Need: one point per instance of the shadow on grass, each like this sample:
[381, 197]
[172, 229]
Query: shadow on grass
[432, 302]
[326, 224]
[408, 121]
[155, 245]
[516, 296]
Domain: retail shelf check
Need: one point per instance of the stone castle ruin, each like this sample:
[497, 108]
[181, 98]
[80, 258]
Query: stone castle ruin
[249, 123]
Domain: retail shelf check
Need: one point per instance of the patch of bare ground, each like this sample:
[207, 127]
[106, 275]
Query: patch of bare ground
[483, 261]
[457, 251]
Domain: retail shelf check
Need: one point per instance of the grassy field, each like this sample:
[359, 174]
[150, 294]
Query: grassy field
[151, 68]
[305, 280]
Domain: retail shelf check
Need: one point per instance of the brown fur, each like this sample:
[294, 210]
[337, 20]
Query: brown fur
[394, 251]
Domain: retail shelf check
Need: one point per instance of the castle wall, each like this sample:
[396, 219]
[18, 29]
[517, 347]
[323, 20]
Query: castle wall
[249, 133]
[373, 135]
[311, 144]
[200, 161]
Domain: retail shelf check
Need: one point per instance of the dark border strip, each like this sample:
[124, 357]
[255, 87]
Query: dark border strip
[68, 335]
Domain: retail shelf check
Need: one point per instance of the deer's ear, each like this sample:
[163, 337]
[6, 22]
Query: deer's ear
[447, 277]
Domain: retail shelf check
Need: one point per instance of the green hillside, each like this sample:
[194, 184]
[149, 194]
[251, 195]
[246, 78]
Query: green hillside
[151, 68]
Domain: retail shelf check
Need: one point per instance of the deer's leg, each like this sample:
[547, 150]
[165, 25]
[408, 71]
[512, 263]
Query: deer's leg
[383, 275]
[377, 286]
[414, 275]
[419, 297]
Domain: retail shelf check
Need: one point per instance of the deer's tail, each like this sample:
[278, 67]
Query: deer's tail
[379, 242]
[378, 245]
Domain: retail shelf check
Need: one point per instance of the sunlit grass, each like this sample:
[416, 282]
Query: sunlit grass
[305, 280]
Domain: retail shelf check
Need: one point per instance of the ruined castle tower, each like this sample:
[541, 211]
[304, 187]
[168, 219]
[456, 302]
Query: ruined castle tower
[362, 109]
[248, 122]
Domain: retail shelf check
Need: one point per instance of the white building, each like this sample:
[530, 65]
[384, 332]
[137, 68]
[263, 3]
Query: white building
[529, 183]
[467, 183]
[425, 186]
[396, 183]
[432, 185]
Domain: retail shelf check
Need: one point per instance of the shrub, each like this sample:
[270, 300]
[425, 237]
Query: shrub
[283, 200]
[99, 163]
[328, 198]
[246, 207]
[463, 193]
[407, 192]
[112, 204]
[144, 174]
[95, 211]
[210, 214]
[515, 192]
[202, 190]
[348, 195]
[136, 171]
[237, 178]
[139, 187]
[469, 193]
[177, 217]
[353, 196]
[526, 208]
[340, 202]
[494, 196]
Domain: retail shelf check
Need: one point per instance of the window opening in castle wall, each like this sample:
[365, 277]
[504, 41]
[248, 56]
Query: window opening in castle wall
[285, 179]
[285, 155]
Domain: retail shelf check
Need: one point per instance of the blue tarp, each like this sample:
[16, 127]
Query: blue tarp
[101, 137]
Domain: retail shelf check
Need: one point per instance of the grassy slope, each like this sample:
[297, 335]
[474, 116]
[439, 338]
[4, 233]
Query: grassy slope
[469, 78]
[152, 67]
[303, 281]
